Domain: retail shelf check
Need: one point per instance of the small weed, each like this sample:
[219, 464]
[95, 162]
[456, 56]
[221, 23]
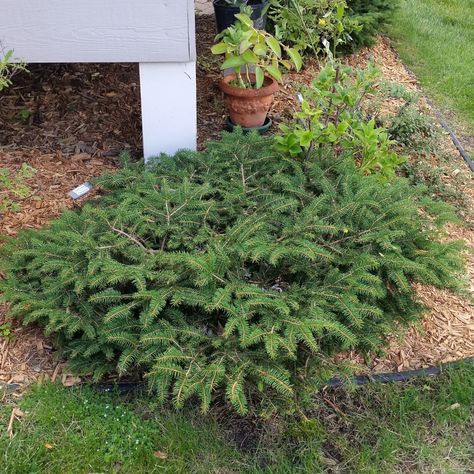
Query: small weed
[208, 64]
[24, 115]
[8, 68]
[413, 129]
[6, 330]
[13, 186]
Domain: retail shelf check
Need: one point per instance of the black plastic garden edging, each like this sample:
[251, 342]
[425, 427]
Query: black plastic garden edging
[442, 121]
[453, 136]
[130, 387]
[398, 376]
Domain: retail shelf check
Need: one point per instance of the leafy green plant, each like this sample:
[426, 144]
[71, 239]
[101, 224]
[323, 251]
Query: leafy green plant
[308, 24]
[24, 115]
[230, 272]
[8, 69]
[6, 330]
[412, 128]
[248, 50]
[346, 24]
[331, 116]
[13, 186]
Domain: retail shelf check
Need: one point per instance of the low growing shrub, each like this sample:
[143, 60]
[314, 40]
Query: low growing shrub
[332, 117]
[233, 271]
[413, 129]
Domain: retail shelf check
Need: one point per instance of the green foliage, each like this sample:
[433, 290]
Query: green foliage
[13, 187]
[370, 16]
[245, 48]
[8, 69]
[417, 134]
[309, 24]
[331, 117]
[411, 128]
[6, 330]
[347, 24]
[231, 271]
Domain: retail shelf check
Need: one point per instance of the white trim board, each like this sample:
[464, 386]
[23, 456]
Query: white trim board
[169, 114]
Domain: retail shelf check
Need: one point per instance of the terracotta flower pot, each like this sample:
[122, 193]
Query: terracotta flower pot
[248, 107]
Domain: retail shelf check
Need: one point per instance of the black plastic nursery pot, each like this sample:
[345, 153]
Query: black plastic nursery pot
[225, 14]
[231, 126]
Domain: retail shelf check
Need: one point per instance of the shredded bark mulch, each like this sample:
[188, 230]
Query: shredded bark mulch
[68, 109]
[69, 122]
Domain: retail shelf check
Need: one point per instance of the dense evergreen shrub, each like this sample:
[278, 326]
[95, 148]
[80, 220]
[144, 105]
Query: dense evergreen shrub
[371, 16]
[234, 270]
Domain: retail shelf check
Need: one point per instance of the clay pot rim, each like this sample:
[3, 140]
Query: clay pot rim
[270, 86]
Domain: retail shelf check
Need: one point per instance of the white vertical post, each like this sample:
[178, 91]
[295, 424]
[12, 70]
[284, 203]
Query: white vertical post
[169, 107]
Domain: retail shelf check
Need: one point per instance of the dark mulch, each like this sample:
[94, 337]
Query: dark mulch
[73, 108]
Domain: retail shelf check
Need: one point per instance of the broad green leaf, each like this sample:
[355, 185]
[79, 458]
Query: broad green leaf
[340, 11]
[245, 19]
[295, 57]
[274, 72]
[250, 57]
[260, 49]
[219, 48]
[306, 138]
[244, 46]
[274, 45]
[233, 62]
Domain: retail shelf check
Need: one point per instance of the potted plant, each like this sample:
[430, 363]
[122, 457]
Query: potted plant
[256, 58]
[225, 11]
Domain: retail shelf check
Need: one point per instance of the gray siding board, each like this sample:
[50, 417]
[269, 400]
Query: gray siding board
[99, 30]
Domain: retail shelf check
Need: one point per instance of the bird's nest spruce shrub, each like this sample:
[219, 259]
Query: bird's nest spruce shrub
[231, 272]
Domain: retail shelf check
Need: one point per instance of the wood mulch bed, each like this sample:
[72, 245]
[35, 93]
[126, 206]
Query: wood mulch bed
[69, 122]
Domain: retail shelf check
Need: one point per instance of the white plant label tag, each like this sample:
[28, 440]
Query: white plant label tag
[80, 191]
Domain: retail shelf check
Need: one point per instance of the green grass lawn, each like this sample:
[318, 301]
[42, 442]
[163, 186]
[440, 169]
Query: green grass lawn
[424, 426]
[435, 38]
